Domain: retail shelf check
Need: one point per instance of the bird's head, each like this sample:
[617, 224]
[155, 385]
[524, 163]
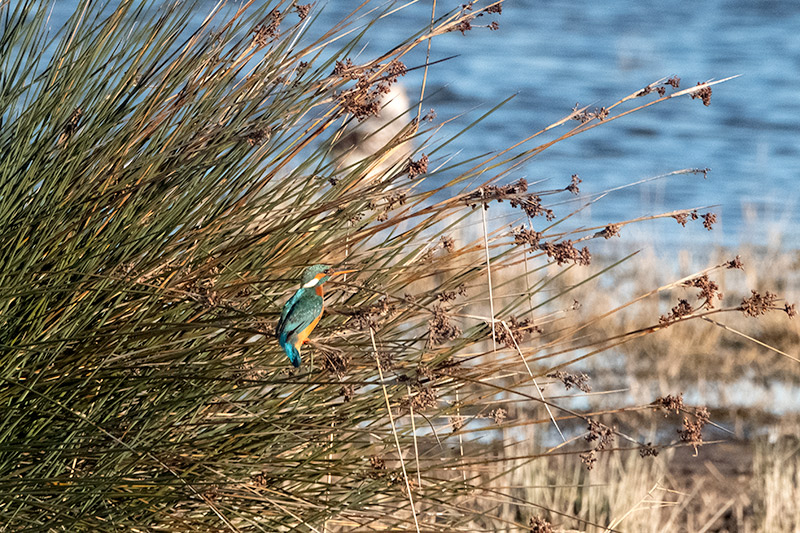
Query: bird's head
[319, 274]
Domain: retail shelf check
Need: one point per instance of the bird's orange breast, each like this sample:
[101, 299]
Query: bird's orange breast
[302, 336]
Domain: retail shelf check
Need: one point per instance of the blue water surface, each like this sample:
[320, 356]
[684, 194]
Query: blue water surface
[554, 54]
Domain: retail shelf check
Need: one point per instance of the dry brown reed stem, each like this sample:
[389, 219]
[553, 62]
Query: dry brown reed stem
[414, 433]
[533, 378]
[570, 332]
[489, 277]
[620, 224]
[447, 25]
[586, 417]
[528, 154]
[394, 430]
[525, 503]
[617, 521]
[425, 72]
[751, 339]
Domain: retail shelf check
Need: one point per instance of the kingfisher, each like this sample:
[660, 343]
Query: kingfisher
[303, 310]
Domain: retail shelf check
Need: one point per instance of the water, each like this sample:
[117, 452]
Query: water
[553, 54]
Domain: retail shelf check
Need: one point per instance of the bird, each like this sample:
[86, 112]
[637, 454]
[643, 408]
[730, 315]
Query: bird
[365, 139]
[303, 310]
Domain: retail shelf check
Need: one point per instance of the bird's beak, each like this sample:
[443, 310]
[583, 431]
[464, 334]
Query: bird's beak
[332, 274]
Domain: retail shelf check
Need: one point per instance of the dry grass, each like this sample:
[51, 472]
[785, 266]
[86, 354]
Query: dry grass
[689, 353]
[777, 481]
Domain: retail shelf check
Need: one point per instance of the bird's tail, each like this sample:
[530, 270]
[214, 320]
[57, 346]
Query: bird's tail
[292, 352]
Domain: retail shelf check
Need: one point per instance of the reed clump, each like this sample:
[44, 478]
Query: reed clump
[166, 178]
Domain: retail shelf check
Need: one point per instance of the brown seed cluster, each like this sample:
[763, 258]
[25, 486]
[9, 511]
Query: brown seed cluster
[692, 431]
[395, 198]
[257, 136]
[422, 399]
[564, 252]
[448, 243]
[348, 392]
[487, 193]
[573, 186]
[371, 316]
[302, 10]
[604, 438]
[599, 113]
[199, 283]
[709, 219]
[736, 262]
[354, 219]
[791, 310]
[683, 218]
[589, 459]
[440, 329]
[346, 69]
[267, 30]
[684, 308]
[580, 380]
[758, 304]
[601, 433]
[386, 360]
[397, 478]
[670, 403]
[498, 415]
[539, 525]
[463, 26]
[673, 82]
[449, 296]
[335, 362]
[709, 290]
[378, 470]
[262, 479]
[610, 231]
[531, 204]
[648, 450]
[418, 167]
[392, 199]
[704, 94]
[497, 8]
[203, 289]
[363, 99]
[523, 235]
[378, 466]
[520, 330]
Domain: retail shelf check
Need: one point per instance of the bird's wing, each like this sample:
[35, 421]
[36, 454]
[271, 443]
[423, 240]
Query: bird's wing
[286, 308]
[299, 313]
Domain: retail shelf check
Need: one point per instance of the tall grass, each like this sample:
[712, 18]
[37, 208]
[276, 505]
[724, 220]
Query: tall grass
[165, 178]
